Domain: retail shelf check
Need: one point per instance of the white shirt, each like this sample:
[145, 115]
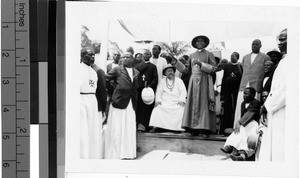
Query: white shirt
[253, 56]
[160, 64]
[88, 79]
[129, 70]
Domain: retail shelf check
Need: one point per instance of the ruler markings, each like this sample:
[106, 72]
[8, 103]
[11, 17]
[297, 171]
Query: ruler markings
[15, 52]
[23, 136]
[10, 22]
[8, 49]
[8, 77]
[22, 100]
[9, 132]
[15, 80]
[19, 65]
[21, 30]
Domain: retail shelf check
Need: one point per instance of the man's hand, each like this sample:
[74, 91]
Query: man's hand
[197, 62]
[157, 103]
[180, 103]
[237, 128]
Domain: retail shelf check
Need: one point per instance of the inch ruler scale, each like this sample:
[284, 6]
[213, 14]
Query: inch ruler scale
[15, 88]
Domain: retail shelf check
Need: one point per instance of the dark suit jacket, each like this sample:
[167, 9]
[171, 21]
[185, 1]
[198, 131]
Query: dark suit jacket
[254, 106]
[101, 92]
[253, 73]
[110, 86]
[125, 88]
[267, 86]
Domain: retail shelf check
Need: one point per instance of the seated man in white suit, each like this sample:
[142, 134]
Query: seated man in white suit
[169, 102]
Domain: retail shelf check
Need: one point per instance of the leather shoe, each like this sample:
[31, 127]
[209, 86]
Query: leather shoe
[227, 149]
[240, 157]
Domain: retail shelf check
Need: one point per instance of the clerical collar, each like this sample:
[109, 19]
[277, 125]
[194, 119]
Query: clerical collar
[147, 61]
[199, 50]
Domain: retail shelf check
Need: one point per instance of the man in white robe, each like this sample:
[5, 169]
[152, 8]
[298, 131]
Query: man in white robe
[159, 62]
[169, 102]
[90, 123]
[273, 140]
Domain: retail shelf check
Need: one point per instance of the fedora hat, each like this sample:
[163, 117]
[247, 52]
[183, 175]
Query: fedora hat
[167, 67]
[205, 38]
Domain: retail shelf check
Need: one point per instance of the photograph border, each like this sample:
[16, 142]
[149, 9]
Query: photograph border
[93, 167]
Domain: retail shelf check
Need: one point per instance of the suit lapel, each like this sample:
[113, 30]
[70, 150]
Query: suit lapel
[248, 60]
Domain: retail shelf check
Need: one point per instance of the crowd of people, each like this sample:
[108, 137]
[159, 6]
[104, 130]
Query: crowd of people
[150, 91]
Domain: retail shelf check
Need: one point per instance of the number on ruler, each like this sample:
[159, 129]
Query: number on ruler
[5, 82]
[5, 54]
[5, 26]
[5, 137]
[6, 164]
[5, 110]
[23, 130]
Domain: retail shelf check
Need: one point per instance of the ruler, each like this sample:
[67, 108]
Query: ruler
[15, 88]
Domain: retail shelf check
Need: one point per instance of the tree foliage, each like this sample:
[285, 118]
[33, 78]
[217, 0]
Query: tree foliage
[176, 48]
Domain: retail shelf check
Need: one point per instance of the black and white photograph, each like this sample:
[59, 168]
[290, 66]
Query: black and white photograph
[183, 89]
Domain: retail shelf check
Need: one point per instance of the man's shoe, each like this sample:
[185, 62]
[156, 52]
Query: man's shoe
[240, 157]
[153, 130]
[227, 149]
[141, 128]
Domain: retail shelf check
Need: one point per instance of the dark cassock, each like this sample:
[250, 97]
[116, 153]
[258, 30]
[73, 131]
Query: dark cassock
[229, 91]
[148, 74]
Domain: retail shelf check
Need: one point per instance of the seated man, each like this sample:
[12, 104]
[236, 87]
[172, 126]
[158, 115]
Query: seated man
[169, 102]
[242, 142]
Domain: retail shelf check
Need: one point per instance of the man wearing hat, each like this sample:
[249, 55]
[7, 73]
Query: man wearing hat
[169, 102]
[148, 78]
[199, 112]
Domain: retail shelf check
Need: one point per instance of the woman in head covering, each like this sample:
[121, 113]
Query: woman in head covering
[199, 115]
